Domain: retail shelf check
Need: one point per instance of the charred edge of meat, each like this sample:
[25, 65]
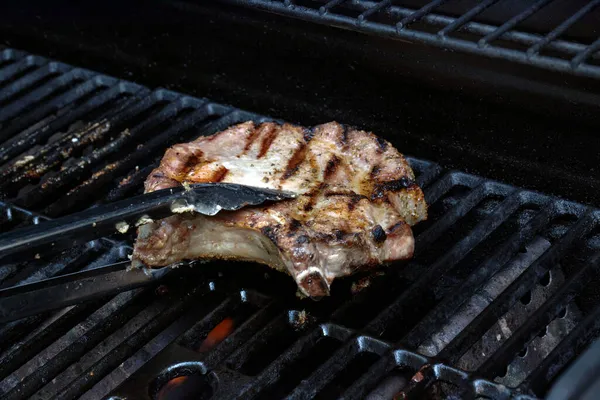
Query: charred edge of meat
[380, 189]
[314, 284]
[378, 233]
[302, 239]
[267, 141]
[295, 161]
[332, 165]
[382, 143]
[270, 232]
[396, 227]
[294, 226]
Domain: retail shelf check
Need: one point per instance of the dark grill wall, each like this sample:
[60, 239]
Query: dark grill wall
[527, 126]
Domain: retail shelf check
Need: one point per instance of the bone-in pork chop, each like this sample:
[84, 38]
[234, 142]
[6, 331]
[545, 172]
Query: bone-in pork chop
[357, 200]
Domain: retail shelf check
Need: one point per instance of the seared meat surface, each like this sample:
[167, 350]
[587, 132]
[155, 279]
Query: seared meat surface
[357, 199]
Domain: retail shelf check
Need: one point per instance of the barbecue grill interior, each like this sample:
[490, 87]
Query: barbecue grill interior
[501, 296]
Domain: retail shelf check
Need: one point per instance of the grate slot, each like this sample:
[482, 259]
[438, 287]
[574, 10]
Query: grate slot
[264, 347]
[26, 380]
[585, 54]
[44, 333]
[450, 304]
[310, 357]
[415, 293]
[457, 347]
[242, 334]
[361, 362]
[99, 361]
[576, 341]
[539, 320]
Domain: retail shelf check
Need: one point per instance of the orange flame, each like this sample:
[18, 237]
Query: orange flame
[217, 335]
[165, 391]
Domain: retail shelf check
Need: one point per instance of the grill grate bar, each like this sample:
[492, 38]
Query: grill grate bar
[474, 331]
[65, 352]
[541, 318]
[585, 54]
[8, 72]
[412, 295]
[511, 23]
[450, 304]
[560, 29]
[11, 110]
[101, 361]
[160, 141]
[424, 240]
[573, 344]
[419, 14]
[374, 9]
[38, 113]
[442, 39]
[23, 142]
[31, 78]
[86, 162]
[466, 17]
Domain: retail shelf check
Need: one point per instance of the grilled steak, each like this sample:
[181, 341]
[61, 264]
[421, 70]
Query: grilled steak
[357, 199]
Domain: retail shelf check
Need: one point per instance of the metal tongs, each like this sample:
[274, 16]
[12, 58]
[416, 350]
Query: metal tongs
[21, 301]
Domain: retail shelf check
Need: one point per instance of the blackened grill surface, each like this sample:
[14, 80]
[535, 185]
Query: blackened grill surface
[500, 297]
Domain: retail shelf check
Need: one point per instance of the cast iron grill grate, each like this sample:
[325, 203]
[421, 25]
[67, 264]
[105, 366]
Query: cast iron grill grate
[497, 301]
[550, 34]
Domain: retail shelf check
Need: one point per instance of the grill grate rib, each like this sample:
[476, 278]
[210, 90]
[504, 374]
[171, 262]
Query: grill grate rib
[72, 139]
[445, 29]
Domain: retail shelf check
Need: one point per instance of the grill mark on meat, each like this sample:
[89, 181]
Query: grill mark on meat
[332, 165]
[344, 135]
[380, 189]
[294, 226]
[383, 145]
[378, 233]
[219, 174]
[353, 202]
[251, 138]
[294, 162]
[268, 140]
[375, 171]
[312, 196]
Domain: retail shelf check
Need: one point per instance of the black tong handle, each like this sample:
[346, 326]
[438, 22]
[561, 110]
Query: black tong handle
[123, 215]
